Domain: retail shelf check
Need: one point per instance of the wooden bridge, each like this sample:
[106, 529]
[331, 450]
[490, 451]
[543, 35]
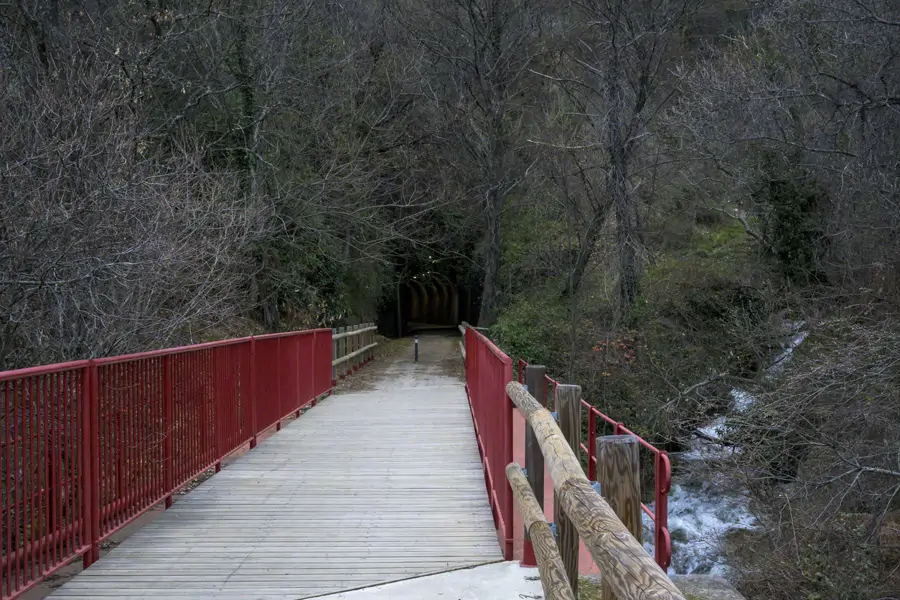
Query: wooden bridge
[403, 474]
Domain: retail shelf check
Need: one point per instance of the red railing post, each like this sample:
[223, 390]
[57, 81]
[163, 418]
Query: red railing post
[252, 400]
[218, 401]
[314, 370]
[300, 400]
[279, 377]
[592, 444]
[90, 467]
[169, 429]
[508, 445]
[662, 540]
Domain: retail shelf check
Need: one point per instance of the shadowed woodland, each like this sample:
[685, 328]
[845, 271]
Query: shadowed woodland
[647, 196]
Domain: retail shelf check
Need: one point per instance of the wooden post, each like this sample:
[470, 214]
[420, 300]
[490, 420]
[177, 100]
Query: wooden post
[348, 349]
[360, 344]
[364, 343]
[342, 369]
[351, 347]
[534, 460]
[568, 406]
[625, 565]
[553, 573]
[357, 339]
[618, 471]
[334, 355]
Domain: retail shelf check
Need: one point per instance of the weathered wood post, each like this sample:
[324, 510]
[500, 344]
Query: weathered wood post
[568, 406]
[365, 344]
[348, 349]
[618, 471]
[356, 346]
[534, 459]
[553, 573]
[625, 564]
[351, 363]
[334, 355]
[342, 368]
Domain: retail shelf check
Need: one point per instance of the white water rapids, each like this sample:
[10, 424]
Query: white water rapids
[704, 507]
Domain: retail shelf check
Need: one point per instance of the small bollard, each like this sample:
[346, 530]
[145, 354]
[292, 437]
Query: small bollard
[416, 344]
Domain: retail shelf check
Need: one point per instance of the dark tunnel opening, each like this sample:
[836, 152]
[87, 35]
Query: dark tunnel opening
[422, 304]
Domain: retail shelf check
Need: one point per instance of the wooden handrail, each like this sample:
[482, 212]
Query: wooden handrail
[338, 336]
[462, 343]
[351, 348]
[347, 357]
[624, 564]
[550, 565]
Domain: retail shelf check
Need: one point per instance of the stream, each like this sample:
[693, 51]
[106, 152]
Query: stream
[704, 505]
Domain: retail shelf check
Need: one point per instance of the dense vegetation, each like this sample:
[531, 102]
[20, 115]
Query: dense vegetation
[649, 196]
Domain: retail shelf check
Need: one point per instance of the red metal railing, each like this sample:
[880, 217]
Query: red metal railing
[488, 370]
[662, 542]
[88, 446]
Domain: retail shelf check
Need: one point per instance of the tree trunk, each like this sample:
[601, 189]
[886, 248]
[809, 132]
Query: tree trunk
[627, 242]
[586, 249]
[488, 313]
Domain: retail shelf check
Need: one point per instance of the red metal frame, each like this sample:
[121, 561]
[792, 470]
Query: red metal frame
[86, 447]
[488, 370]
[661, 466]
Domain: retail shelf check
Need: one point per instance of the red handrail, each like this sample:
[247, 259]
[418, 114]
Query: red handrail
[488, 370]
[86, 447]
[661, 466]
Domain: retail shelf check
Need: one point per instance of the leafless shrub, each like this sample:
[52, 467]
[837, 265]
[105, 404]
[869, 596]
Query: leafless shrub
[111, 240]
[820, 457]
[807, 95]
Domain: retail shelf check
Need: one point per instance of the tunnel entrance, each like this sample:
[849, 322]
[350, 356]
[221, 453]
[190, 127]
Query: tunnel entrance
[428, 303]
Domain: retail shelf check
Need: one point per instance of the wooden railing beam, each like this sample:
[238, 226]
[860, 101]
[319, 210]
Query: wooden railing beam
[550, 565]
[340, 336]
[624, 564]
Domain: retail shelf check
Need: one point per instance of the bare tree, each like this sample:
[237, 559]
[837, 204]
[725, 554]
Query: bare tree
[106, 245]
[167, 168]
[614, 77]
[793, 130]
[479, 53]
[790, 126]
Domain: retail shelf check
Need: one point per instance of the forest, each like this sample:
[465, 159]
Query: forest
[691, 208]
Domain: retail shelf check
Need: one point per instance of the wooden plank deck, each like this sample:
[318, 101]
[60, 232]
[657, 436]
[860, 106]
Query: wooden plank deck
[365, 488]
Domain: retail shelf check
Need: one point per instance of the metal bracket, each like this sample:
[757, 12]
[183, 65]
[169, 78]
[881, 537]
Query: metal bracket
[553, 530]
[524, 471]
[555, 416]
[596, 486]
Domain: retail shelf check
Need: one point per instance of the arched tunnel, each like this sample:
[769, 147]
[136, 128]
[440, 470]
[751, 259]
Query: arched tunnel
[423, 303]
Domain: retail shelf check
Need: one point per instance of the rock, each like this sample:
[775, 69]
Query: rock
[705, 587]
[679, 535]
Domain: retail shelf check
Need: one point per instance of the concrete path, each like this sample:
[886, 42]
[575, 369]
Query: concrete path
[370, 486]
[499, 581]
